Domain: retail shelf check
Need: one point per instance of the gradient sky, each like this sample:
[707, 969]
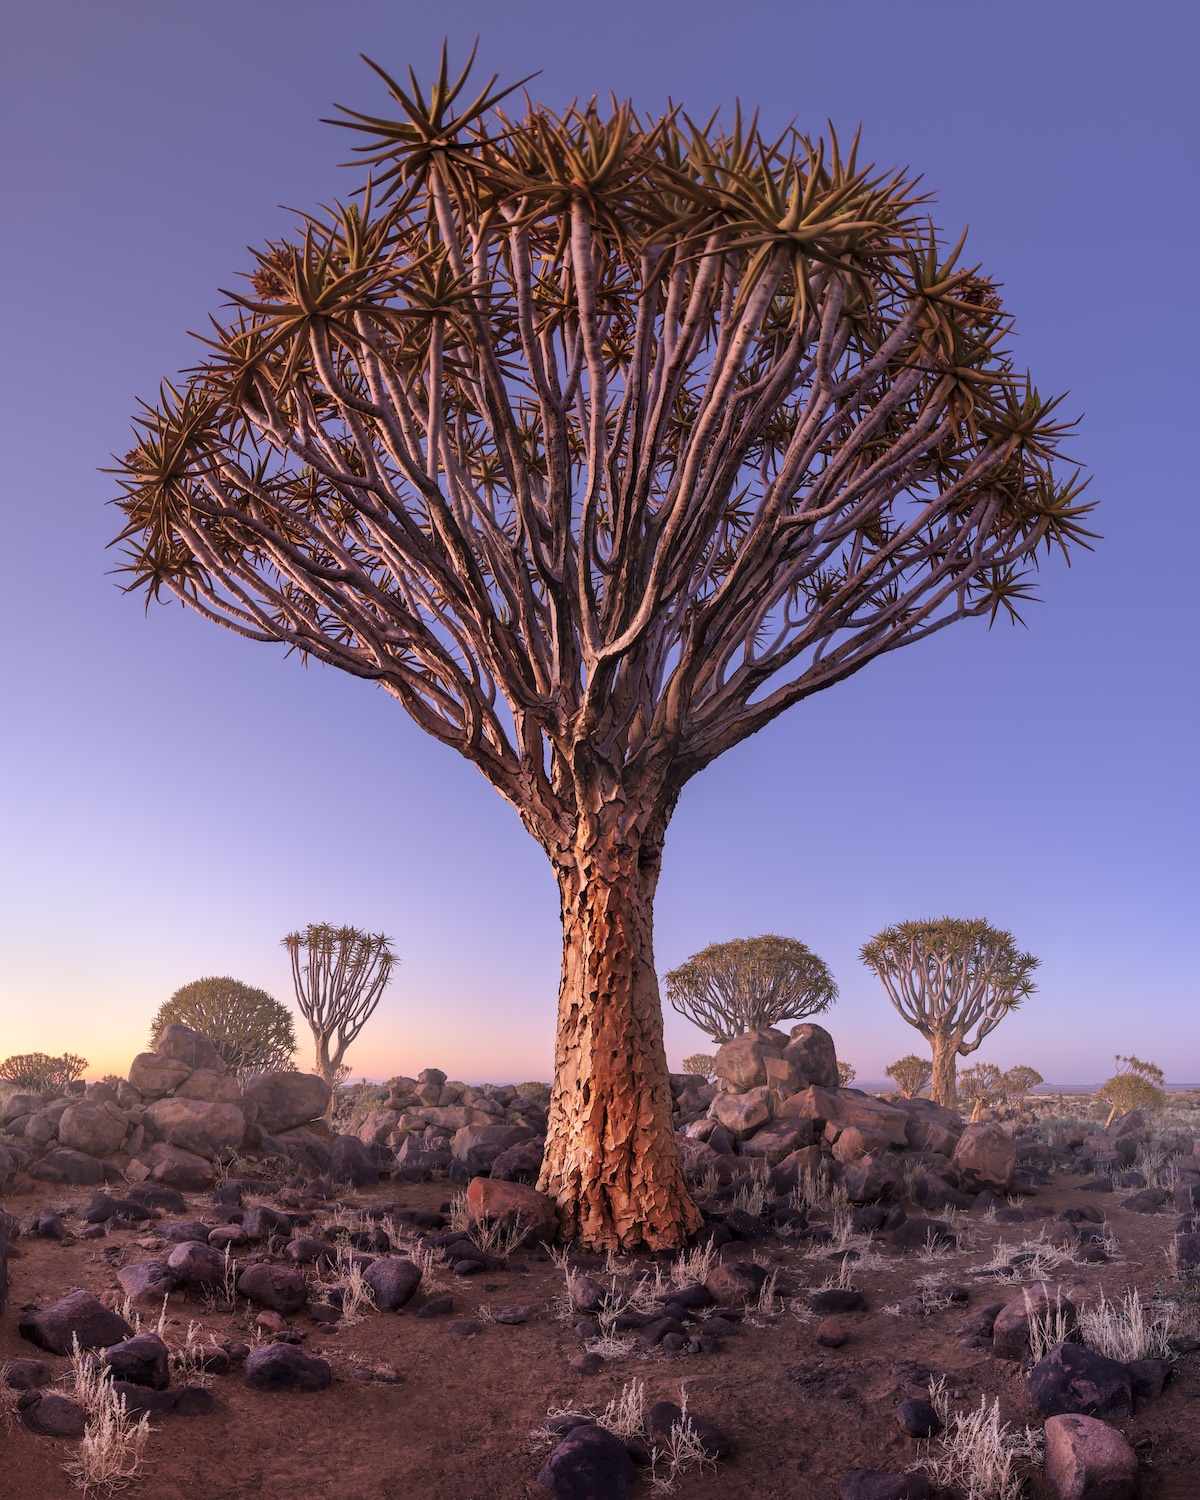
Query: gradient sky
[176, 799]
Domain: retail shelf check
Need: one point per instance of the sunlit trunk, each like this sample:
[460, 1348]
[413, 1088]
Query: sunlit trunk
[943, 1087]
[611, 1159]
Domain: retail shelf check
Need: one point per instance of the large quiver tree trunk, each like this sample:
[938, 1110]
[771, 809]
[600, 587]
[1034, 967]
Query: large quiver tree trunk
[612, 1163]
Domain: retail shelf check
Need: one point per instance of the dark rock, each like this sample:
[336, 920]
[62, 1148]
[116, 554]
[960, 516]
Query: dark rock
[694, 1296]
[146, 1282]
[663, 1416]
[653, 1333]
[154, 1195]
[183, 1045]
[744, 1226]
[837, 1300]
[464, 1328]
[80, 1316]
[195, 1401]
[519, 1163]
[880, 1484]
[831, 1334]
[54, 1416]
[915, 1234]
[1010, 1332]
[261, 1222]
[1147, 1202]
[918, 1418]
[436, 1307]
[869, 1181]
[188, 1229]
[77, 1167]
[1096, 1185]
[228, 1194]
[1148, 1378]
[934, 1193]
[1187, 1251]
[736, 1281]
[26, 1374]
[174, 1167]
[393, 1280]
[283, 1367]
[1074, 1380]
[867, 1219]
[140, 1399]
[50, 1227]
[587, 1363]
[196, 1265]
[984, 1322]
[283, 1290]
[324, 1312]
[587, 1294]
[141, 1360]
[350, 1161]
[102, 1208]
[590, 1463]
[236, 1350]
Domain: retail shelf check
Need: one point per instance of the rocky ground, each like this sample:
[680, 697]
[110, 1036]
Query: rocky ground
[456, 1405]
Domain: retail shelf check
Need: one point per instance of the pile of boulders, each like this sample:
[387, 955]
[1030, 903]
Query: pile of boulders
[179, 1115]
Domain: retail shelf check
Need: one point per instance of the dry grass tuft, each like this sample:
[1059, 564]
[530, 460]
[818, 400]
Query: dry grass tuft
[1128, 1329]
[979, 1456]
[113, 1447]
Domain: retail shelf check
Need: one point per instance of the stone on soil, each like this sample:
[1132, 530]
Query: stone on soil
[81, 1316]
[590, 1463]
[1086, 1459]
[283, 1367]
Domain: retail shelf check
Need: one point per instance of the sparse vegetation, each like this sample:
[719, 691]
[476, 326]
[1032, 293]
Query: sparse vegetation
[750, 984]
[250, 1029]
[37, 1071]
[978, 1456]
[700, 1064]
[910, 1074]
[1134, 1085]
[847, 1073]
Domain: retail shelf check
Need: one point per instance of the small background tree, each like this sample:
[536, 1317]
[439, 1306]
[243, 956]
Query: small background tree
[251, 1030]
[981, 1087]
[1017, 1083]
[954, 980]
[749, 984]
[701, 1064]
[339, 974]
[38, 1071]
[910, 1074]
[1135, 1085]
[847, 1073]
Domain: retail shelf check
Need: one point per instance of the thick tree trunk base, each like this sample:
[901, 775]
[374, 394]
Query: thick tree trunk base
[612, 1163]
[943, 1086]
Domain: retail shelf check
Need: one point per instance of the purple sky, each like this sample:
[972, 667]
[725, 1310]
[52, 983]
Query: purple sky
[176, 799]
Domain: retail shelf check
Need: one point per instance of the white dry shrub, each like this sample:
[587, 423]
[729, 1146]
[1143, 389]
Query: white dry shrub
[625, 1415]
[1046, 1330]
[1125, 1330]
[357, 1296]
[979, 1456]
[188, 1359]
[682, 1451]
[691, 1266]
[113, 1447]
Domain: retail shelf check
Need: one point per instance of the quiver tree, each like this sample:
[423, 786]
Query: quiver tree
[1017, 1083]
[955, 981]
[598, 442]
[251, 1031]
[38, 1070]
[981, 1086]
[749, 984]
[339, 974]
[910, 1074]
[700, 1065]
[1135, 1085]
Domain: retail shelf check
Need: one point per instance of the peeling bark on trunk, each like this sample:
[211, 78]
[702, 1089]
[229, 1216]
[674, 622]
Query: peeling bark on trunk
[943, 1088]
[612, 1163]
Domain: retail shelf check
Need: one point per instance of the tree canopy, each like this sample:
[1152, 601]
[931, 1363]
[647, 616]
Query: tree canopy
[250, 1029]
[748, 984]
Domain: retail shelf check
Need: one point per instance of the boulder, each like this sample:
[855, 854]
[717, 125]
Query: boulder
[1187, 1251]
[778, 1139]
[985, 1157]
[812, 1051]
[1010, 1332]
[664, 1417]
[1148, 1201]
[303, 1145]
[869, 1181]
[920, 1233]
[196, 1265]
[92, 1128]
[918, 1418]
[259, 1222]
[519, 1163]
[142, 1360]
[79, 1316]
[141, 1401]
[856, 1141]
[735, 1282]
[212, 1087]
[183, 1045]
[1072, 1379]
[845, 1107]
[590, 1463]
[283, 1367]
[786, 1175]
[20, 1104]
[478, 1146]
[155, 1076]
[511, 1203]
[741, 1114]
[739, 1064]
[378, 1125]
[1086, 1459]
[392, 1280]
[282, 1290]
[180, 1169]
[350, 1161]
[284, 1100]
[80, 1169]
[54, 1416]
[195, 1125]
[146, 1282]
[26, 1374]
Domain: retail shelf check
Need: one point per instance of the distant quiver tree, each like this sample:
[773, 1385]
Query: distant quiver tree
[700, 1064]
[954, 980]
[910, 1074]
[250, 1029]
[1135, 1085]
[598, 442]
[38, 1070]
[749, 984]
[339, 974]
